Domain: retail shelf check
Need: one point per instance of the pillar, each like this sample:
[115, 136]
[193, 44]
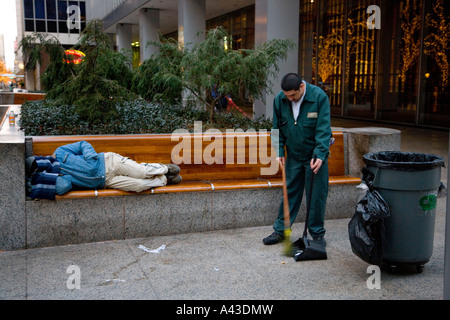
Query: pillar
[148, 31]
[191, 30]
[276, 19]
[191, 21]
[124, 37]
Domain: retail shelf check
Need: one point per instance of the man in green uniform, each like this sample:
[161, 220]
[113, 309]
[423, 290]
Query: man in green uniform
[301, 119]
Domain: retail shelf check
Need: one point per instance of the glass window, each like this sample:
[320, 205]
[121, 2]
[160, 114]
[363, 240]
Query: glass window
[39, 8]
[239, 24]
[327, 64]
[29, 25]
[307, 40]
[360, 61]
[28, 8]
[83, 10]
[52, 27]
[40, 26]
[51, 9]
[400, 56]
[400, 75]
[62, 26]
[62, 11]
[434, 82]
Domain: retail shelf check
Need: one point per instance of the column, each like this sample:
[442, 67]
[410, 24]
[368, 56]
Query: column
[124, 37]
[148, 31]
[276, 19]
[191, 20]
[191, 30]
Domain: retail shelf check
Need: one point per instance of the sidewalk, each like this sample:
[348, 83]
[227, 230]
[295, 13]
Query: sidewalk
[222, 265]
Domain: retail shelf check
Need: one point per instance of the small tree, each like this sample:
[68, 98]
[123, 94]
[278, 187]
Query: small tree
[209, 63]
[96, 89]
[34, 46]
[93, 87]
[153, 83]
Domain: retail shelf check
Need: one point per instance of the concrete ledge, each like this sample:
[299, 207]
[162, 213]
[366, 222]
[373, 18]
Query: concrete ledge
[12, 195]
[52, 223]
[19, 98]
[360, 141]
[32, 224]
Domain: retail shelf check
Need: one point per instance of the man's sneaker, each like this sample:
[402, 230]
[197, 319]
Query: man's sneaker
[173, 179]
[274, 238]
[173, 169]
[320, 240]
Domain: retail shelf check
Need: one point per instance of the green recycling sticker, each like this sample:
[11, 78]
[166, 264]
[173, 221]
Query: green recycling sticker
[428, 202]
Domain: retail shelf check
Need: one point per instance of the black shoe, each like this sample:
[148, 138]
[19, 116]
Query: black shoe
[173, 169]
[173, 179]
[274, 238]
[320, 240]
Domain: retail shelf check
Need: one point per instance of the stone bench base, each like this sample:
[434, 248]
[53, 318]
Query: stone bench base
[116, 218]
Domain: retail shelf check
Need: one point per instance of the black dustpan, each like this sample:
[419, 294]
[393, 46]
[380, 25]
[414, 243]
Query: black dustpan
[304, 248]
[312, 251]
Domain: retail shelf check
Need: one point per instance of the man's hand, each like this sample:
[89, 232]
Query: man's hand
[281, 161]
[315, 165]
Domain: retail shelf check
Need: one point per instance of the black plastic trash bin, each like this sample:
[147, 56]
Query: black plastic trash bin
[409, 183]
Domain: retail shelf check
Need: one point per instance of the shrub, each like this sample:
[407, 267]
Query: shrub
[132, 117]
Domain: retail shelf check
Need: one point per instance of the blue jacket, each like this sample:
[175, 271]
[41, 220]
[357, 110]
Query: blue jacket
[81, 167]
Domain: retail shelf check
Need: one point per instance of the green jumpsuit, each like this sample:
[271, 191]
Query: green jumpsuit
[302, 138]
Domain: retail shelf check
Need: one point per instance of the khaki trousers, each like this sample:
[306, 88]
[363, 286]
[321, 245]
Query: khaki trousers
[125, 174]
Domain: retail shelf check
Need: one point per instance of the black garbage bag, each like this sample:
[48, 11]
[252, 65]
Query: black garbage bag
[366, 228]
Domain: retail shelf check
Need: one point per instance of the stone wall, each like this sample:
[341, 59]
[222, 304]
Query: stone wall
[28, 224]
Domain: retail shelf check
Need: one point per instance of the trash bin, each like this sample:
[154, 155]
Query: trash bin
[409, 183]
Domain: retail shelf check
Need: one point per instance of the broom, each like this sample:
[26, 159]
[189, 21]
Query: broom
[287, 220]
[307, 249]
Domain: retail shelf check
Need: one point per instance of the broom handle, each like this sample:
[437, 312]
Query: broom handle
[308, 203]
[287, 220]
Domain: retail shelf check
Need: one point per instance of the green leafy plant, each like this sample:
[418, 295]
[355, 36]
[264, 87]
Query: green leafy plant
[93, 87]
[44, 117]
[209, 63]
[35, 46]
[158, 80]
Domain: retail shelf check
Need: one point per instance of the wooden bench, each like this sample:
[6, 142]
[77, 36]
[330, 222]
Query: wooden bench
[241, 159]
[21, 97]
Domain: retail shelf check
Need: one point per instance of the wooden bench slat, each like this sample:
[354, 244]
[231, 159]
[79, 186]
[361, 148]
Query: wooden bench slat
[215, 185]
[239, 184]
[229, 175]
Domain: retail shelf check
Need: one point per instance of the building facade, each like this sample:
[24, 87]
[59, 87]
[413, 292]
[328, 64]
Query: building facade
[397, 73]
[63, 19]
[378, 60]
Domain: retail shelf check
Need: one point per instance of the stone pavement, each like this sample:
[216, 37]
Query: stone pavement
[221, 265]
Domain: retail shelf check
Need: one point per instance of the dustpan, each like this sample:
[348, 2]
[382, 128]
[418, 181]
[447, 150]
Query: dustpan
[304, 248]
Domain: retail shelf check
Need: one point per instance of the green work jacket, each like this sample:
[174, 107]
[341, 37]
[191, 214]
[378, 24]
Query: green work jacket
[308, 135]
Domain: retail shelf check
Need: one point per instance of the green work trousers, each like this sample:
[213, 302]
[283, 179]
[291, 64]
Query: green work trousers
[298, 178]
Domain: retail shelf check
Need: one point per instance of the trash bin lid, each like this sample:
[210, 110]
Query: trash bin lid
[407, 161]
